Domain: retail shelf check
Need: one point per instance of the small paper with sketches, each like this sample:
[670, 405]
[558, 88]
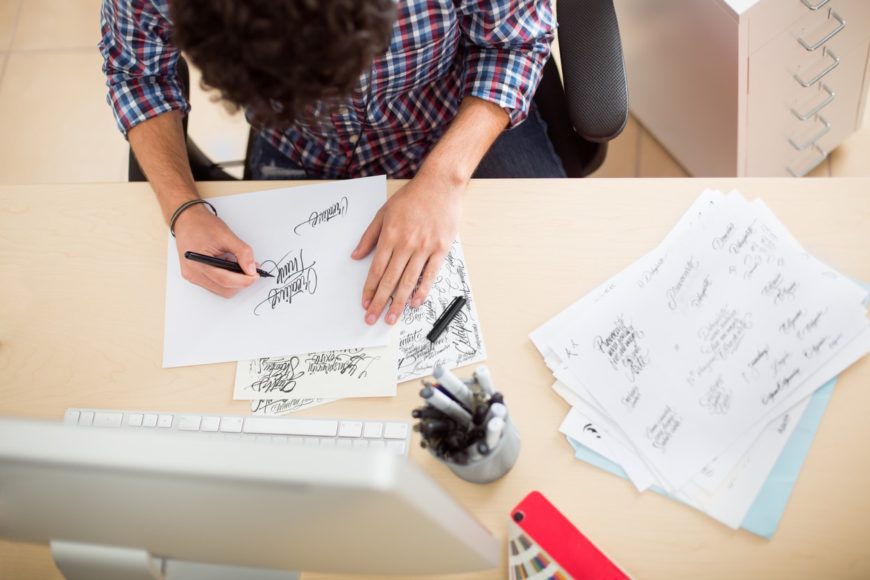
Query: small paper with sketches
[353, 372]
[375, 371]
[304, 237]
[694, 364]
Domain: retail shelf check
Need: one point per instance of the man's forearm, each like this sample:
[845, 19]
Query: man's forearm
[456, 155]
[162, 154]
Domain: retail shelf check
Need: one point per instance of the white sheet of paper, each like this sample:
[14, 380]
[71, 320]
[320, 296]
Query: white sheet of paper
[304, 236]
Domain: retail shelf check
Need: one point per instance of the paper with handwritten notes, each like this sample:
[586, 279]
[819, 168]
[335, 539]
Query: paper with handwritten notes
[304, 237]
[375, 371]
[356, 372]
[694, 358]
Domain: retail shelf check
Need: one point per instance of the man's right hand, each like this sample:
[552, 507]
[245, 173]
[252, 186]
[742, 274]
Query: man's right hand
[198, 230]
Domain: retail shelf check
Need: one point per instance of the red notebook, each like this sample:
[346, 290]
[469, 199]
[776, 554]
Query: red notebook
[542, 543]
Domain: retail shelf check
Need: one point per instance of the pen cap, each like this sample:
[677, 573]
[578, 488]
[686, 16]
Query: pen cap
[496, 463]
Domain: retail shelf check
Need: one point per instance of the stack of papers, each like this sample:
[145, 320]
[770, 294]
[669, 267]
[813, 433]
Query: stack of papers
[691, 369]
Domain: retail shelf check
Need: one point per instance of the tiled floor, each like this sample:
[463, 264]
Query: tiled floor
[55, 125]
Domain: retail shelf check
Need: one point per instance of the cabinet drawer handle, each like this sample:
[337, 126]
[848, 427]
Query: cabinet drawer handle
[812, 139]
[835, 62]
[801, 171]
[825, 102]
[809, 4]
[841, 24]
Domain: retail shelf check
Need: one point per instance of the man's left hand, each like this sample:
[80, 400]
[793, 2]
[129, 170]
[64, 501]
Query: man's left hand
[411, 234]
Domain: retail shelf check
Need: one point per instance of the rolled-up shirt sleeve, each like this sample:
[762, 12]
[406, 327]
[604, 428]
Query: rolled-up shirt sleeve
[139, 61]
[507, 43]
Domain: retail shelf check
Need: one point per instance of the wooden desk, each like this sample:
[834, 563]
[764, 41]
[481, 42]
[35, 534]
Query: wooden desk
[81, 324]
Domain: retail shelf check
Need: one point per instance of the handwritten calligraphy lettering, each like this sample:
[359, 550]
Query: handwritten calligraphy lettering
[622, 348]
[338, 209]
[294, 277]
[674, 291]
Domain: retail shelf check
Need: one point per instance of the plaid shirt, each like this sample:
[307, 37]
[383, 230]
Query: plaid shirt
[440, 51]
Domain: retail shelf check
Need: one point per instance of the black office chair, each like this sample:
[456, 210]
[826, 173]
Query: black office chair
[583, 111]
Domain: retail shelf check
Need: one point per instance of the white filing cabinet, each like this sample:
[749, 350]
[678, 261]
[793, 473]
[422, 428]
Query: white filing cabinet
[747, 87]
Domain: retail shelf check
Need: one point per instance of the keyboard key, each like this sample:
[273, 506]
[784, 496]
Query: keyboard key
[164, 421]
[396, 447]
[189, 422]
[373, 430]
[210, 423]
[231, 424]
[86, 418]
[135, 419]
[150, 420]
[71, 417]
[396, 431]
[350, 429]
[104, 419]
[303, 427]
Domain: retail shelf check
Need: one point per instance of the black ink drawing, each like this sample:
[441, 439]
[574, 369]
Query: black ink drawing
[717, 399]
[781, 385]
[623, 349]
[673, 292]
[336, 210]
[292, 278]
[275, 375]
[723, 335]
[811, 325]
[720, 241]
[588, 428]
[662, 431]
[282, 406]
[354, 362]
[647, 275]
[739, 244]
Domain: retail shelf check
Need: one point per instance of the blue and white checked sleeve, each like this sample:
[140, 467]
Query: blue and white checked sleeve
[508, 43]
[139, 61]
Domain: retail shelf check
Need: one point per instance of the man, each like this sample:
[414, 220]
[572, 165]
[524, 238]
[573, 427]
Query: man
[416, 89]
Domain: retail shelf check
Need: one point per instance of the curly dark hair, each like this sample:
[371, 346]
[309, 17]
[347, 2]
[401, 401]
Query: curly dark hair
[278, 57]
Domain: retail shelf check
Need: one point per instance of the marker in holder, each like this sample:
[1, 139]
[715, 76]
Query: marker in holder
[466, 425]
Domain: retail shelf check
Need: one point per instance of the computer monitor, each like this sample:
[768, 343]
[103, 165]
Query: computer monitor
[155, 504]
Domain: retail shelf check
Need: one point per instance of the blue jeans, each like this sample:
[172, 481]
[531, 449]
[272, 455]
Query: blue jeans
[523, 152]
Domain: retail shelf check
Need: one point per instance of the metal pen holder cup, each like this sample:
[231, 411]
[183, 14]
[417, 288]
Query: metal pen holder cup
[495, 464]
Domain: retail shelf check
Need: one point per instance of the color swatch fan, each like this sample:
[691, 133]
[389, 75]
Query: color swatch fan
[542, 543]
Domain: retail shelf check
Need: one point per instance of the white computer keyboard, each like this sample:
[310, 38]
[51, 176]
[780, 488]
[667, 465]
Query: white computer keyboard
[358, 434]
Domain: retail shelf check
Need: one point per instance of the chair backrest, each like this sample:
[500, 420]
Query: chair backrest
[588, 105]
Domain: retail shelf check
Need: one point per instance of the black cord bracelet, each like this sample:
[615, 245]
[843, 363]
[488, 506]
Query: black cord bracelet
[183, 207]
